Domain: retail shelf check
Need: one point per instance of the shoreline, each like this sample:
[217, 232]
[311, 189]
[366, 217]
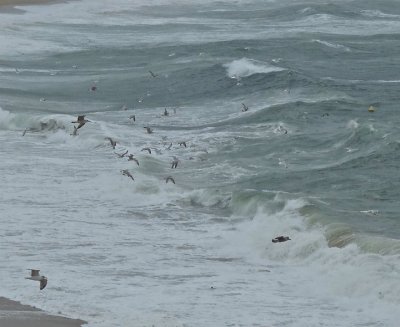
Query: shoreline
[15, 314]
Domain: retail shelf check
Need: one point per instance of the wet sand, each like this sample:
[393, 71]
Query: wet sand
[15, 314]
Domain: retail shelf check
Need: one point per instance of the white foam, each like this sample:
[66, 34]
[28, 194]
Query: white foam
[246, 67]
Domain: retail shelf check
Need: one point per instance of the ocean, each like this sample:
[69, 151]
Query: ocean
[283, 119]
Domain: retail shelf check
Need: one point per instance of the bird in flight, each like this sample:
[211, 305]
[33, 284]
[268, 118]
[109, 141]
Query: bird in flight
[80, 121]
[169, 178]
[40, 278]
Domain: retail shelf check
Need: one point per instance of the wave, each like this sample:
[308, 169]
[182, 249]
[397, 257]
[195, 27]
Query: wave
[378, 14]
[246, 67]
[332, 45]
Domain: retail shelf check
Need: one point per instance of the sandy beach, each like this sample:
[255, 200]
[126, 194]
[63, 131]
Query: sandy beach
[15, 314]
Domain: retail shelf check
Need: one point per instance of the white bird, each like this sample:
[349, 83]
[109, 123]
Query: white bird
[36, 276]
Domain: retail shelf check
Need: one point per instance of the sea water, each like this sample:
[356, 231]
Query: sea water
[306, 160]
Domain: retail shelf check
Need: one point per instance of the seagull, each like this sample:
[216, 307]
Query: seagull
[148, 130]
[152, 74]
[245, 108]
[182, 143]
[131, 158]
[169, 178]
[81, 121]
[147, 149]
[35, 276]
[113, 143]
[121, 155]
[132, 117]
[279, 239]
[126, 172]
[169, 147]
[175, 162]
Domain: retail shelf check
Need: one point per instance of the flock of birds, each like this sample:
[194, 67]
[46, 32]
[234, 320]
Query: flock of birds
[81, 121]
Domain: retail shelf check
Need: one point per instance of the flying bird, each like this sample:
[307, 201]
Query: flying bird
[147, 149]
[132, 117]
[81, 121]
[126, 172]
[121, 155]
[182, 143]
[245, 108]
[152, 74]
[169, 178]
[132, 158]
[36, 276]
[112, 142]
[175, 162]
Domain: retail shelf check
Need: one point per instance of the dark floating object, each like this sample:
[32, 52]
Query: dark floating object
[280, 239]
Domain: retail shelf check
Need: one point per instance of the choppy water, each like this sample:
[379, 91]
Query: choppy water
[307, 160]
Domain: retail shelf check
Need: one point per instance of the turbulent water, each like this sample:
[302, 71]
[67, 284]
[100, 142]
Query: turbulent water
[307, 160]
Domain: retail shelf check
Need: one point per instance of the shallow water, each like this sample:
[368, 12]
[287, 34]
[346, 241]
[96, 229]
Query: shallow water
[306, 160]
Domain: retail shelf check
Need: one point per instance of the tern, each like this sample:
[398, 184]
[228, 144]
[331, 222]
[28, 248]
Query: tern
[40, 278]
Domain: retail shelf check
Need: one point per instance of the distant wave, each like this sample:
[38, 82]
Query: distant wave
[332, 45]
[378, 14]
[246, 67]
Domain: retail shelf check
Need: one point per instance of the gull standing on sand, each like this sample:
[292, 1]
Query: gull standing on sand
[35, 276]
[81, 121]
